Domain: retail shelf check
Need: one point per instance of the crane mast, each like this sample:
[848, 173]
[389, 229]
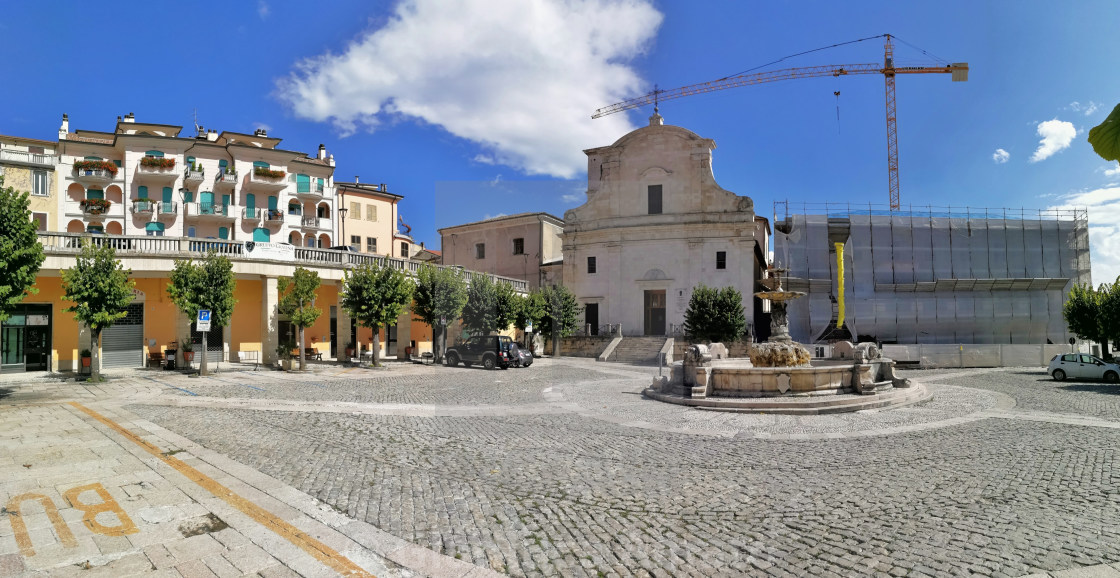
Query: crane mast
[958, 70]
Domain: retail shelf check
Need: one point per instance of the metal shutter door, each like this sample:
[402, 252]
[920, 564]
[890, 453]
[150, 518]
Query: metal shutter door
[122, 345]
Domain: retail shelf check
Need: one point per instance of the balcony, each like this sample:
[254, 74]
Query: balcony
[28, 158]
[156, 169]
[94, 172]
[311, 191]
[316, 223]
[267, 179]
[193, 175]
[210, 211]
[166, 210]
[93, 209]
[226, 178]
[272, 217]
[143, 207]
[253, 214]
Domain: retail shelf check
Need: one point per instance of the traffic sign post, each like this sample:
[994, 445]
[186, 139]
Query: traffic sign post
[203, 326]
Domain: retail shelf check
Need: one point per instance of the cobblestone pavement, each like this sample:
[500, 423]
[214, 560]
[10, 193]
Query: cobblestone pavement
[563, 469]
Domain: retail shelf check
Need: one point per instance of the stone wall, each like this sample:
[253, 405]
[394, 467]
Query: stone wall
[734, 348]
[581, 346]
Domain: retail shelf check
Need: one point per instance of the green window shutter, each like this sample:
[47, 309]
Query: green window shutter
[223, 163]
[118, 163]
[223, 232]
[142, 192]
[272, 202]
[93, 159]
[303, 184]
[95, 194]
[251, 201]
[261, 164]
[154, 154]
[167, 194]
[188, 197]
[225, 199]
[261, 235]
[154, 227]
[190, 160]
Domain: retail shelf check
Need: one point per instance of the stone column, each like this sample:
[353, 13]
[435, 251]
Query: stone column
[270, 326]
[342, 326]
[404, 332]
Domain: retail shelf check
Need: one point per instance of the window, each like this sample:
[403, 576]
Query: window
[721, 259]
[295, 209]
[404, 250]
[157, 154]
[141, 192]
[223, 233]
[1072, 357]
[519, 246]
[40, 220]
[356, 242]
[654, 199]
[39, 185]
[355, 210]
[371, 212]
[190, 232]
[154, 229]
[371, 244]
[591, 265]
[480, 251]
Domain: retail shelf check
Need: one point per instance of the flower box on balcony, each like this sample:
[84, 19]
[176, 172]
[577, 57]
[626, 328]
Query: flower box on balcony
[96, 166]
[268, 173]
[157, 162]
[95, 206]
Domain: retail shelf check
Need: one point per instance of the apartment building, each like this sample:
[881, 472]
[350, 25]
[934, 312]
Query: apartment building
[524, 246]
[147, 179]
[29, 165]
[369, 217]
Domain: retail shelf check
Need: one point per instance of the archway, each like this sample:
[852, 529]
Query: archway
[76, 226]
[113, 227]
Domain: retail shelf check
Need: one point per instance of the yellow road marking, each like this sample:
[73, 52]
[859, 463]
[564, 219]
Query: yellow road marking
[315, 548]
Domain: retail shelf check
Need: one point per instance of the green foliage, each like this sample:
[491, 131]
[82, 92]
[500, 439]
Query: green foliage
[1109, 296]
[715, 315]
[100, 290]
[374, 297]
[1094, 314]
[1105, 137]
[561, 310]
[490, 305]
[297, 301]
[440, 293]
[206, 285]
[21, 255]
[530, 310]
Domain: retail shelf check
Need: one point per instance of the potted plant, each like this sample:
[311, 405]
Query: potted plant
[84, 166]
[284, 352]
[188, 350]
[268, 173]
[157, 162]
[95, 206]
[87, 358]
[350, 350]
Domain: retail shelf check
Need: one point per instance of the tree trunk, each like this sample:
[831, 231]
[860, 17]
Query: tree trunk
[437, 343]
[376, 345]
[302, 353]
[95, 356]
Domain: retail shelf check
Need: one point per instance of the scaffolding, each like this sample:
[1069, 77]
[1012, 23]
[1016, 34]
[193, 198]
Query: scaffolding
[932, 275]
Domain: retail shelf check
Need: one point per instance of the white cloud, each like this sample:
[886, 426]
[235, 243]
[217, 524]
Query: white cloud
[1086, 109]
[1104, 229]
[262, 9]
[1111, 171]
[573, 198]
[520, 78]
[1000, 156]
[1056, 136]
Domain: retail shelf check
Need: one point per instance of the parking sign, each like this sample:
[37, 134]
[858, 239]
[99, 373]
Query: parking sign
[203, 321]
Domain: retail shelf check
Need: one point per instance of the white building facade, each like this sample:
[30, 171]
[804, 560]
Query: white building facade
[655, 225]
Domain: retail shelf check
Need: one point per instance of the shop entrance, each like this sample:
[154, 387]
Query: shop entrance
[25, 339]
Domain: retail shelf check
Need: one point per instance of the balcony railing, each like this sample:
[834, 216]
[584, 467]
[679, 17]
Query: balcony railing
[252, 214]
[93, 176]
[166, 208]
[225, 178]
[28, 158]
[143, 207]
[187, 247]
[217, 210]
[309, 189]
[190, 174]
[273, 216]
[322, 223]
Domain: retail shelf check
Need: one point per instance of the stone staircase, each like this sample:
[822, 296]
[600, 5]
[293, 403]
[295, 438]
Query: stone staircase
[638, 350]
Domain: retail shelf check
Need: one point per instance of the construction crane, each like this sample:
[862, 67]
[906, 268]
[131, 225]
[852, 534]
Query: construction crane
[958, 70]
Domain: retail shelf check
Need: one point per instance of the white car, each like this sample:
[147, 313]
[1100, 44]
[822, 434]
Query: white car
[1082, 366]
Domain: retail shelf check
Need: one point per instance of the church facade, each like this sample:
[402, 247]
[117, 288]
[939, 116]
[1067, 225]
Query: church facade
[656, 225]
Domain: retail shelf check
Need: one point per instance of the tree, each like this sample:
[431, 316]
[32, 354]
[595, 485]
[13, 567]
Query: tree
[374, 297]
[561, 314]
[297, 301]
[440, 294]
[715, 315]
[21, 255]
[1082, 311]
[100, 290]
[1105, 137]
[530, 310]
[490, 305]
[206, 285]
[1109, 297]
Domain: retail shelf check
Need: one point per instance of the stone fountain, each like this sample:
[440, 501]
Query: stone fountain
[778, 376]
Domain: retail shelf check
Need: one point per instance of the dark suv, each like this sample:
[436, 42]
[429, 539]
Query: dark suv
[490, 351]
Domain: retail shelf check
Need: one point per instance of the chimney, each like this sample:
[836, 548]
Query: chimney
[322, 152]
[130, 117]
[384, 188]
[212, 135]
[65, 128]
[330, 160]
[260, 132]
[356, 179]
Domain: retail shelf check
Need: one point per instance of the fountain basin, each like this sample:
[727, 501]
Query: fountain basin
[782, 381]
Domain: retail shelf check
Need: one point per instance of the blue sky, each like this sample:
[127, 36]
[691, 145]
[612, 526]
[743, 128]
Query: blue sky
[478, 108]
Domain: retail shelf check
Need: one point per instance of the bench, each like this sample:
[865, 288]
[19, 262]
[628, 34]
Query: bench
[253, 357]
[427, 358]
[155, 359]
[312, 353]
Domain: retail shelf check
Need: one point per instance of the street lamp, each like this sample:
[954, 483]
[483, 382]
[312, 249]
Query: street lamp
[342, 219]
[183, 192]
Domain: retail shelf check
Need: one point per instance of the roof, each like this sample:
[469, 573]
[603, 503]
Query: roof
[364, 188]
[541, 216]
[73, 136]
[24, 139]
